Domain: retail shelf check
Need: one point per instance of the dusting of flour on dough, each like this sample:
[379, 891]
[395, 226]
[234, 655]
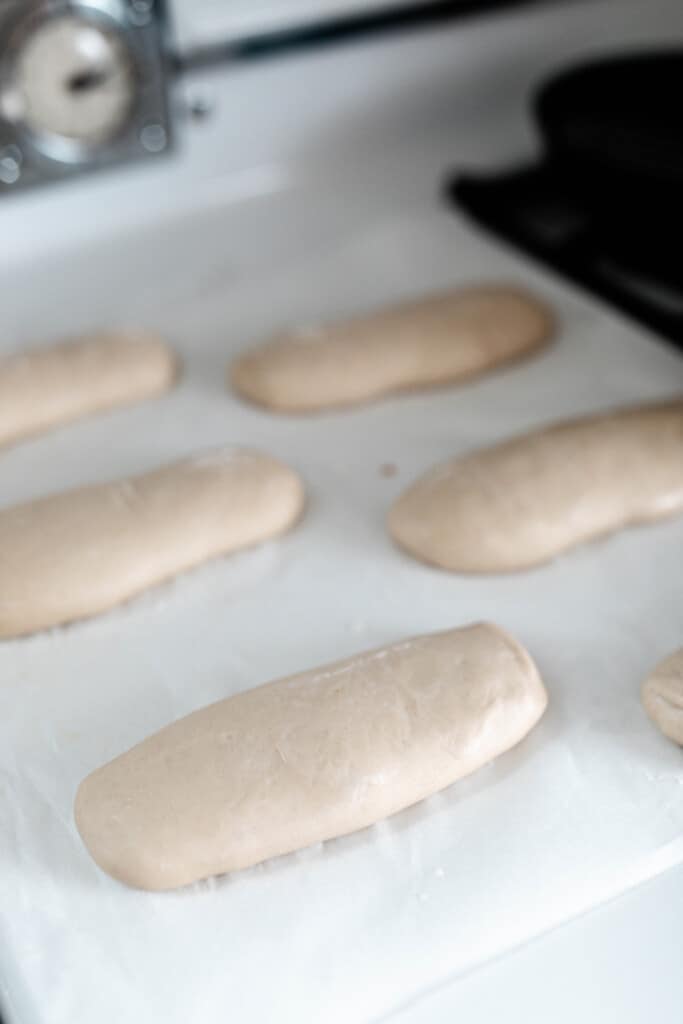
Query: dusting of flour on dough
[669, 502]
[353, 663]
[124, 493]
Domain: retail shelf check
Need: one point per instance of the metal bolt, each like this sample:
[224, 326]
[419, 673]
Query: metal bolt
[141, 11]
[11, 159]
[153, 137]
[200, 107]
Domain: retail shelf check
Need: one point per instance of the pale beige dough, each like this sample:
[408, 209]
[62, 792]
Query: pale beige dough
[434, 341]
[309, 757]
[46, 387]
[69, 556]
[526, 500]
[662, 695]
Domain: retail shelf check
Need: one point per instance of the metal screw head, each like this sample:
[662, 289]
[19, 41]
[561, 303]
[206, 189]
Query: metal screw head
[11, 159]
[200, 107]
[154, 138]
[140, 11]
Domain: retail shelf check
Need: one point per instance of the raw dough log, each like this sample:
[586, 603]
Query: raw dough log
[526, 500]
[432, 342]
[662, 695]
[72, 555]
[309, 757]
[46, 387]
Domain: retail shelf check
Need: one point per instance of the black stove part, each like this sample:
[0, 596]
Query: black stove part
[618, 121]
[532, 210]
[605, 205]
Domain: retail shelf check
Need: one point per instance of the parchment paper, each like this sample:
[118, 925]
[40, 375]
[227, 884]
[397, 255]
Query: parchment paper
[590, 804]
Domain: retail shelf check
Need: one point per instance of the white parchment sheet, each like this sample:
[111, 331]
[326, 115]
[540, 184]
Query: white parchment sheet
[590, 804]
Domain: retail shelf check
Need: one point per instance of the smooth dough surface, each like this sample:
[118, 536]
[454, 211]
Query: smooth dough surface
[69, 556]
[431, 342]
[46, 387]
[526, 500]
[662, 695]
[308, 758]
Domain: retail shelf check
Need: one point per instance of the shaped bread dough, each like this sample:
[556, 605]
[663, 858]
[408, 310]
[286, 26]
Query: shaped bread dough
[72, 555]
[662, 695]
[309, 757]
[526, 500]
[435, 341]
[46, 387]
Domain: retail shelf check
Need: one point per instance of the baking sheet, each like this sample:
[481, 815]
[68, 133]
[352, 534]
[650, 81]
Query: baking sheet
[589, 805]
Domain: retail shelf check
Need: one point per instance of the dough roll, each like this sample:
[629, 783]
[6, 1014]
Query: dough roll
[662, 695]
[307, 758]
[431, 342]
[72, 555]
[44, 388]
[526, 500]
